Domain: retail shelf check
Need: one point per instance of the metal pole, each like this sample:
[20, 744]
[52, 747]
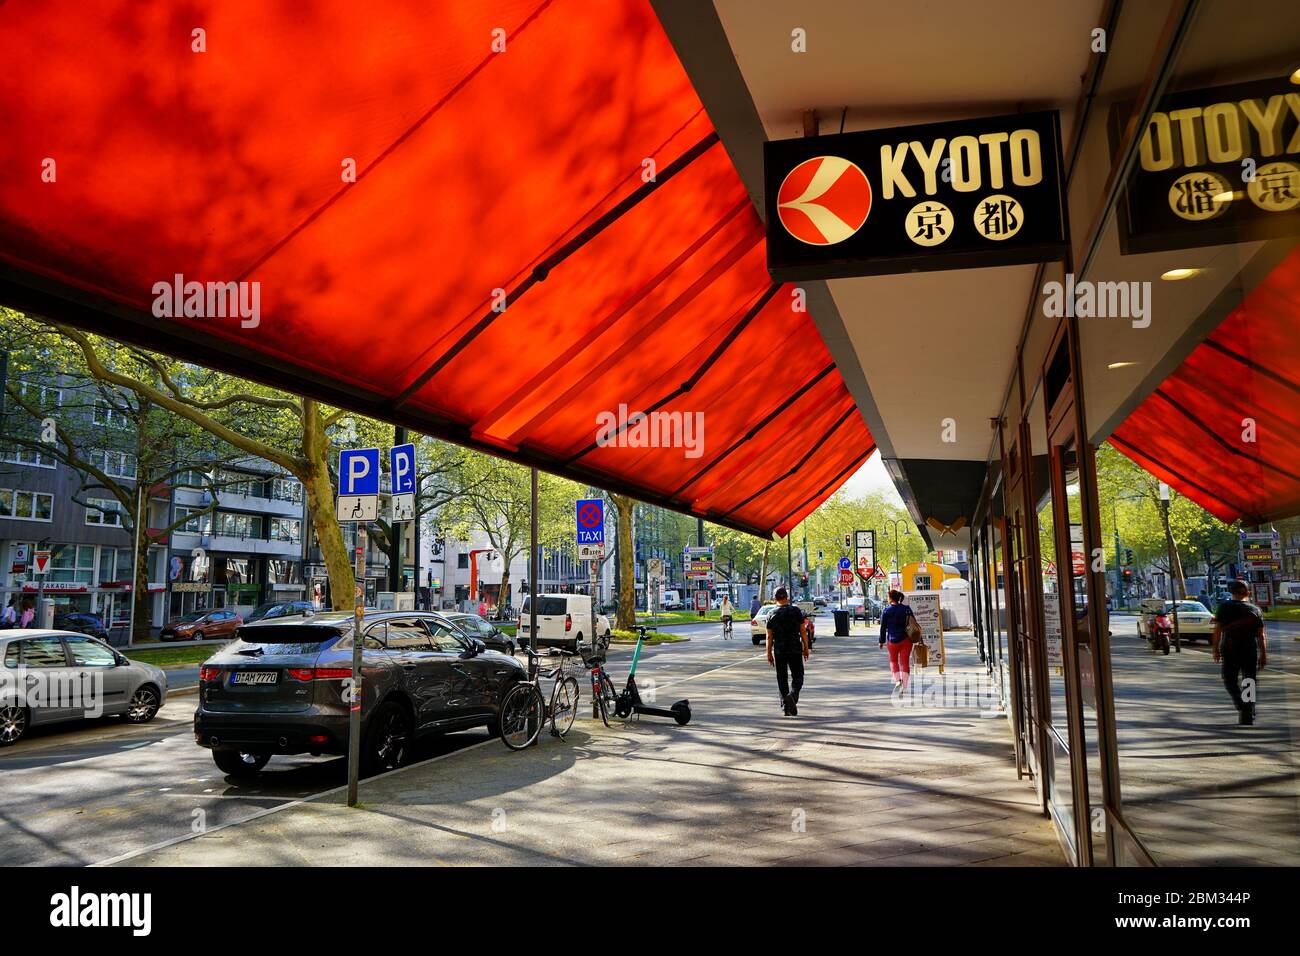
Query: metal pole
[354, 705]
[534, 553]
[395, 546]
[140, 518]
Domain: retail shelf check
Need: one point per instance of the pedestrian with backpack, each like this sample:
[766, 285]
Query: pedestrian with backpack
[898, 631]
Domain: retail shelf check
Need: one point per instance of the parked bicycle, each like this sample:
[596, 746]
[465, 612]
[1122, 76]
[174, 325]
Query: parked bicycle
[602, 688]
[524, 711]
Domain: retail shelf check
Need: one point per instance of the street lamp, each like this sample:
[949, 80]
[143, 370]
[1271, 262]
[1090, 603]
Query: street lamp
[896, 523]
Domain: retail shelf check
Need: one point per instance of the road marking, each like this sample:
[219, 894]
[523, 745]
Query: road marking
[132, 854]
[682, 680]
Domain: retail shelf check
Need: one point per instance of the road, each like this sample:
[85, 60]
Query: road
[87, 793]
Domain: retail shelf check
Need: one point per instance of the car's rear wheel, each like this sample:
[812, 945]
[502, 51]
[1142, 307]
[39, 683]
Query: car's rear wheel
[144, 704]
[13, 724]
[387, 738]
[756, 640]
[239, 763]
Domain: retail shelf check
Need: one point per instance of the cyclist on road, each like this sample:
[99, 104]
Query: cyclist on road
[727, 612]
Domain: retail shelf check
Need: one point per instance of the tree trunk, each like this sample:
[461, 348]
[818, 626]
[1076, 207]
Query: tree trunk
[320, 502]
[626, 619]
[142, 623]
[762, 576]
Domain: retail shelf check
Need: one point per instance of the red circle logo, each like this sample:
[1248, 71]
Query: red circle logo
[824, 200]
[589, 515]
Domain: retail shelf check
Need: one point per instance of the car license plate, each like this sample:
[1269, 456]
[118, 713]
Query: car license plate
[255, 677]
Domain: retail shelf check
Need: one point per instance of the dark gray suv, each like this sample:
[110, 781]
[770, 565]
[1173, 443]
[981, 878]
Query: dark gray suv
[282, 688]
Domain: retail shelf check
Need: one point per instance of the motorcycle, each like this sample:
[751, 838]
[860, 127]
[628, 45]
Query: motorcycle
[1160, 631]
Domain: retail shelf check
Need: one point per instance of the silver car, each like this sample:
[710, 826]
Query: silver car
[47, 677]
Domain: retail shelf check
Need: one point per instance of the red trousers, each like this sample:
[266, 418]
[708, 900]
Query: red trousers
[900, 660]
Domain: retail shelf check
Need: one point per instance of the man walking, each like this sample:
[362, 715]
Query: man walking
[787, 649]
[1238, 641]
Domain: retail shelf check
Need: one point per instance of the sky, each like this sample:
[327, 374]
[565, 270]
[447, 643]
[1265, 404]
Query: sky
[872, 477]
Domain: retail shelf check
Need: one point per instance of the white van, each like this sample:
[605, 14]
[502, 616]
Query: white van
[1288, 592]
[563, 620]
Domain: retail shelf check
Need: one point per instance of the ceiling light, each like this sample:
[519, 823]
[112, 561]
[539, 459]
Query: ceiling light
[1120, 364]
[1295, 77]
[1226, 196]
[1173, 275]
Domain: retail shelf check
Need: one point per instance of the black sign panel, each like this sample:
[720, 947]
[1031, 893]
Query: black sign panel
[957, 195]
[1215, 166]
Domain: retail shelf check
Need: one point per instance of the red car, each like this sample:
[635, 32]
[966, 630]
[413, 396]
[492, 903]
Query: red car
[202, 626]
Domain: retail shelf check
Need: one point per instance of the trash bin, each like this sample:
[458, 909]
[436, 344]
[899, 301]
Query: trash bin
[841, 623]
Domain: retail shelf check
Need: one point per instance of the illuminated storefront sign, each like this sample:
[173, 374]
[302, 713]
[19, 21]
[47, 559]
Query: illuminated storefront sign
[955, 195]
[1214, 166]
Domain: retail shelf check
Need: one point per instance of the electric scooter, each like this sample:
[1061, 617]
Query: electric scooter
[629, 701]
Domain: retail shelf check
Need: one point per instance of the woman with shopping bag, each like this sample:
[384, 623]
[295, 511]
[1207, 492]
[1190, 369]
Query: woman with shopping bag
[899, 631]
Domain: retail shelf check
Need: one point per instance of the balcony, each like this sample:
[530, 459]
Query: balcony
[237, 544]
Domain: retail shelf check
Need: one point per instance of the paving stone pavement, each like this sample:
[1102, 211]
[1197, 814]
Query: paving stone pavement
[854, 780]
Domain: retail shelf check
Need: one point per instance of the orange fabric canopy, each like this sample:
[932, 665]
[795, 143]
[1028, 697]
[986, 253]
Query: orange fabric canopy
[541, 227]
[1224, 429]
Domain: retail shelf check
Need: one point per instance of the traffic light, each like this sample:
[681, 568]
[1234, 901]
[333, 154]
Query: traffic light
[848, 541]
[1128, 555]
[803, 579]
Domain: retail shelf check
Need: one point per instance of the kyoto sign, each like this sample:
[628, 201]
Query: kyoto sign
[358, 485]
[953, 195]
[1215, 166]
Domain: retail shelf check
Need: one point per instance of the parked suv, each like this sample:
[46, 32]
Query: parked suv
[563, 620]
[471, 625]
[280, 688]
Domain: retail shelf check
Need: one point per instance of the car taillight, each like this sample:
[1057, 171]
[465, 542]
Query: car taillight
[568, 622]
[333, 673]
[319, 673]
[209, 674]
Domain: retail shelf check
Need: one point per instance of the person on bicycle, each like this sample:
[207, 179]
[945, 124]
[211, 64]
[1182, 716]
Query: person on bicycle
[727, 612]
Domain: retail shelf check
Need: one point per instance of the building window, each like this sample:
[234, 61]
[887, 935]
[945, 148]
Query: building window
[462, 560]
[116, 464]
[104, 511]
[41, 396]
[73, 563]
[26, 505]
[237, 525]
[196, 480]
[200, 523]
[26, 455]
[286, 489]
[101, 413]
[285, 529]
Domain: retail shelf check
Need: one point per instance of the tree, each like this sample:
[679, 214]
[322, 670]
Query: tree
[117, 442]
[495, 497]
[626, 615]
[292, 432]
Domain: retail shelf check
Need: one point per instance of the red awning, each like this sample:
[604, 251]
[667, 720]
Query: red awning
[573, 177]
[1224, 429]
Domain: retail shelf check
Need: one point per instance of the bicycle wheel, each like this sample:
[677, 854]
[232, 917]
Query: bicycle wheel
[523, 711]
[564, 705]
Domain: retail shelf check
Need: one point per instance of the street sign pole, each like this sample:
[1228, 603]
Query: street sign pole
[354, 704]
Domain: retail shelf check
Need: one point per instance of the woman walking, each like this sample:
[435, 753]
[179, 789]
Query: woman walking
[893, 632]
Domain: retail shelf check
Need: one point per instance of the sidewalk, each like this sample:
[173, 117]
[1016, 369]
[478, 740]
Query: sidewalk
[853, 780]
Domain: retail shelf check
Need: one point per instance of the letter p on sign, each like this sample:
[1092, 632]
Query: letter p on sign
[401, 462]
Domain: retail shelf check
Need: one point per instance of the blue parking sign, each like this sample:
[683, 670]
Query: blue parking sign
[590, 513]
[359, 471]
[401, 463]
